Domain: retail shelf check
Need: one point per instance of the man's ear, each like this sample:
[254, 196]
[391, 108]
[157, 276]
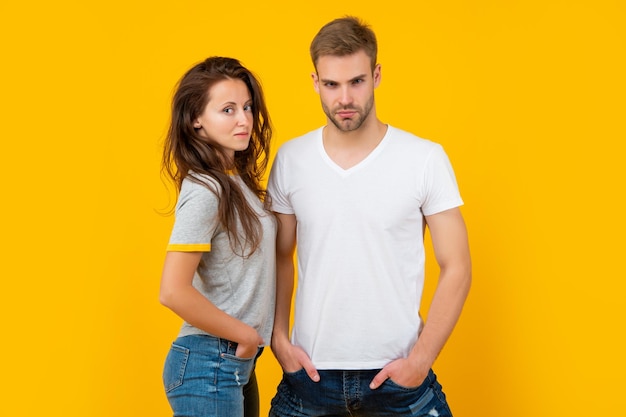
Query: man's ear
[316, 82]
[377, 75]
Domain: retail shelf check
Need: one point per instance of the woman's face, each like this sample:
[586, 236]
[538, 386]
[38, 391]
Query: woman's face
[227, 118]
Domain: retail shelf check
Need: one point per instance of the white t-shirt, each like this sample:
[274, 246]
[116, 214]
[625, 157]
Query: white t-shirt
[360, 244]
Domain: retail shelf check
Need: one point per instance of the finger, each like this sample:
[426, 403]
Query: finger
[245, 351]
[312, 373]
[379, 379]
[311, 370]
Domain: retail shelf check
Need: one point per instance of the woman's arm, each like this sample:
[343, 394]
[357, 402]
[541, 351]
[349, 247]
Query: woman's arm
[178, 294]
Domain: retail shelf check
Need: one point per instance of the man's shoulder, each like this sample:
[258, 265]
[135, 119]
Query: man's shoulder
[297, 143]
[405, 138]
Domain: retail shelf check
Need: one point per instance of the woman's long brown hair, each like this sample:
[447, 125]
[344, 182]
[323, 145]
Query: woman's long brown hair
[186, 152]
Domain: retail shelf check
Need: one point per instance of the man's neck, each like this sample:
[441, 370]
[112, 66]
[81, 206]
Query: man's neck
[348, 149]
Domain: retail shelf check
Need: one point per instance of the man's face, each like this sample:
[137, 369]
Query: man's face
[346, 87]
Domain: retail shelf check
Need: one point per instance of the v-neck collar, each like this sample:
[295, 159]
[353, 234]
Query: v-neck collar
[365, 161]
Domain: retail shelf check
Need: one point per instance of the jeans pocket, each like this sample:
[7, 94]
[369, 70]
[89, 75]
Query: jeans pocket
[295, 374]
[174, 369]
[237, 358]
[393, 383]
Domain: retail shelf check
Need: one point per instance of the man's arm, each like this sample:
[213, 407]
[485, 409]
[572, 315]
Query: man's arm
[291, 358]
[451, 248]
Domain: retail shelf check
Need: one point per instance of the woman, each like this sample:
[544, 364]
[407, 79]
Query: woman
[219, 271]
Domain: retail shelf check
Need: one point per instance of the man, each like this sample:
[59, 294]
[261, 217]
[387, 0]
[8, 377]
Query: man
[356, 195]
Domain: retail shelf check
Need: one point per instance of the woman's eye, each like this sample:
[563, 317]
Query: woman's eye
[248, 107]
[228, 110]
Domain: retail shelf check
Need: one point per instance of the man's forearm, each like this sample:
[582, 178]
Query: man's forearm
[443, 314]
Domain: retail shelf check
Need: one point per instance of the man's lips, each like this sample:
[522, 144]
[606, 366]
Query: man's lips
[346, 114]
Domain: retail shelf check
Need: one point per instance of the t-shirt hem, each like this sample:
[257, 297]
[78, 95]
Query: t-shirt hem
[350, 366]
[187, 247]
[282, 210]
[194, 331]
[443, 207]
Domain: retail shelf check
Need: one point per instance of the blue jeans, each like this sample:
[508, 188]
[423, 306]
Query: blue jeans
[203, 378]
[347, 393]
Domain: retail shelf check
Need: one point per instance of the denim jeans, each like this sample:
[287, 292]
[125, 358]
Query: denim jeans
[347, 393]
[203, 378]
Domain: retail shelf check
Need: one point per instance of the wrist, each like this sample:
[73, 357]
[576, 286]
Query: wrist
[279, 341]
[249, 337]
[421, 359]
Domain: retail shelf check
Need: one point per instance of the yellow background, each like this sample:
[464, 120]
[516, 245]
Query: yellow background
[527, 98]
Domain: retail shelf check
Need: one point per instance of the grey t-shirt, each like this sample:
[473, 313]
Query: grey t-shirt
[243, 287]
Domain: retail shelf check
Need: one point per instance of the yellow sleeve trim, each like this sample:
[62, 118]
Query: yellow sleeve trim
[203, 247]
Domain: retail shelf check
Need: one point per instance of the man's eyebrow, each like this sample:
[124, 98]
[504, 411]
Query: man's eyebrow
[358, 77]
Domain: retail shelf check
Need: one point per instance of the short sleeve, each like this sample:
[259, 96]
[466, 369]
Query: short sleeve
[196, 219]
[276, 186]
[441, 191]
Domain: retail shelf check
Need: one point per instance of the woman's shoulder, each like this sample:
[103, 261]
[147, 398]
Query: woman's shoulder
[199, 184]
